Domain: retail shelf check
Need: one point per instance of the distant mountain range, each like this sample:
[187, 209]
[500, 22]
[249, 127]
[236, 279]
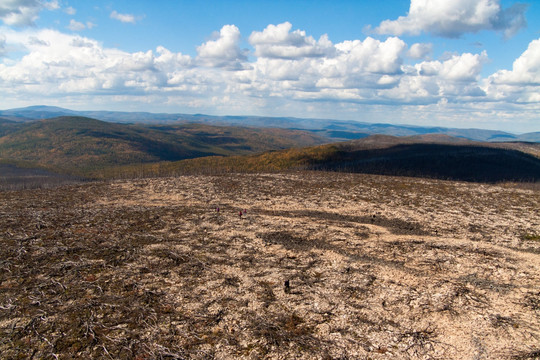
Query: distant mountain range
[90, 148]
[332, 130]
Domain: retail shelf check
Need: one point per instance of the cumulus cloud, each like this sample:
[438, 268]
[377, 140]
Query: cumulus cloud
[76, 26]
[455, 79]
[20, 12]
[525, 69]
[221, 77]
[522, 83]
[51, 5]
[170, 62]
[24, 12]
[511, 20]
[125, 18]
[455, 18]
[371, 55]
[277, 41]
[464, 67]
[224, 51]
[420, 51]
[353, 71]
[368, 72]
[75, 64]
[79, 26]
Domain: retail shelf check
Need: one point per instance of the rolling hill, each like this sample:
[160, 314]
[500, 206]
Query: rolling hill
[81, 145]
[332, 130]
[92, 148]
[7, 126]
[435, 157]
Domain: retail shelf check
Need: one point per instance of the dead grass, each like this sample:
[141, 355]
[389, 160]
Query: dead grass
[321, 266]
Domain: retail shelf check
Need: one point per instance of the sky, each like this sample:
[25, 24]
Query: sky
[459, 63]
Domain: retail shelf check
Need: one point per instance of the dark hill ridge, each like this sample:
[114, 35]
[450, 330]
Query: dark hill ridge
[437, 157]
[332, 130]
[82, 144]
[439, 161]
[7, 126]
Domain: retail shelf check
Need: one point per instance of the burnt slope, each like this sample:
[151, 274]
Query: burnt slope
[440, 161]
[430, 157]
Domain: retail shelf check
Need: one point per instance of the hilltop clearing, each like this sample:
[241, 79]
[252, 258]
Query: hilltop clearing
[320, 266]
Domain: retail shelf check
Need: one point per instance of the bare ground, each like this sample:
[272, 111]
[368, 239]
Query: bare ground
[321, 266]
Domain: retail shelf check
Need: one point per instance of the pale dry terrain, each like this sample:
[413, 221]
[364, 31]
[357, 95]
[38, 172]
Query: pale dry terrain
[321, 266]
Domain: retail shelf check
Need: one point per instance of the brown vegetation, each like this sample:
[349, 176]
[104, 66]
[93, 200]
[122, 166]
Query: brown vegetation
[321, 266]
[430, 156]
[82, 146]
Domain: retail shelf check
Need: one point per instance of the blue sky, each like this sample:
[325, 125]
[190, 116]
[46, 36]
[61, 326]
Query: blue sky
[460, 63]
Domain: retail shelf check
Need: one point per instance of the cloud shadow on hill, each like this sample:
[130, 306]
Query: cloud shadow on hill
[439, 161]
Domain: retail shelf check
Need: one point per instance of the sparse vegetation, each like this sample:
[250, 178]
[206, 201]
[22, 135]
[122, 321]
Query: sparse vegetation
[528, 355]
[321, 265]
[531, 237]
[382, 155]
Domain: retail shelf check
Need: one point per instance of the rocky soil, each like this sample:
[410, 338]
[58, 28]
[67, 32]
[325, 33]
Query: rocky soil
[319, 266]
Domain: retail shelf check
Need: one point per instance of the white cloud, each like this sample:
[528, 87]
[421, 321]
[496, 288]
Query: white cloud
[24, 12]
[280, 70]
[370, 55]
[224, 51]
[76, 26]
[51, 5]
[362, 71]
[277, 41]
[354, 72]
[455, 79]
[464, 67]
[169, 62]
[19, 12]
[75, 64]
[125, 18]
[352, 75]
[454, 18]
[70, 10]
[420, 50]
[522, 83]
[525, 70]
